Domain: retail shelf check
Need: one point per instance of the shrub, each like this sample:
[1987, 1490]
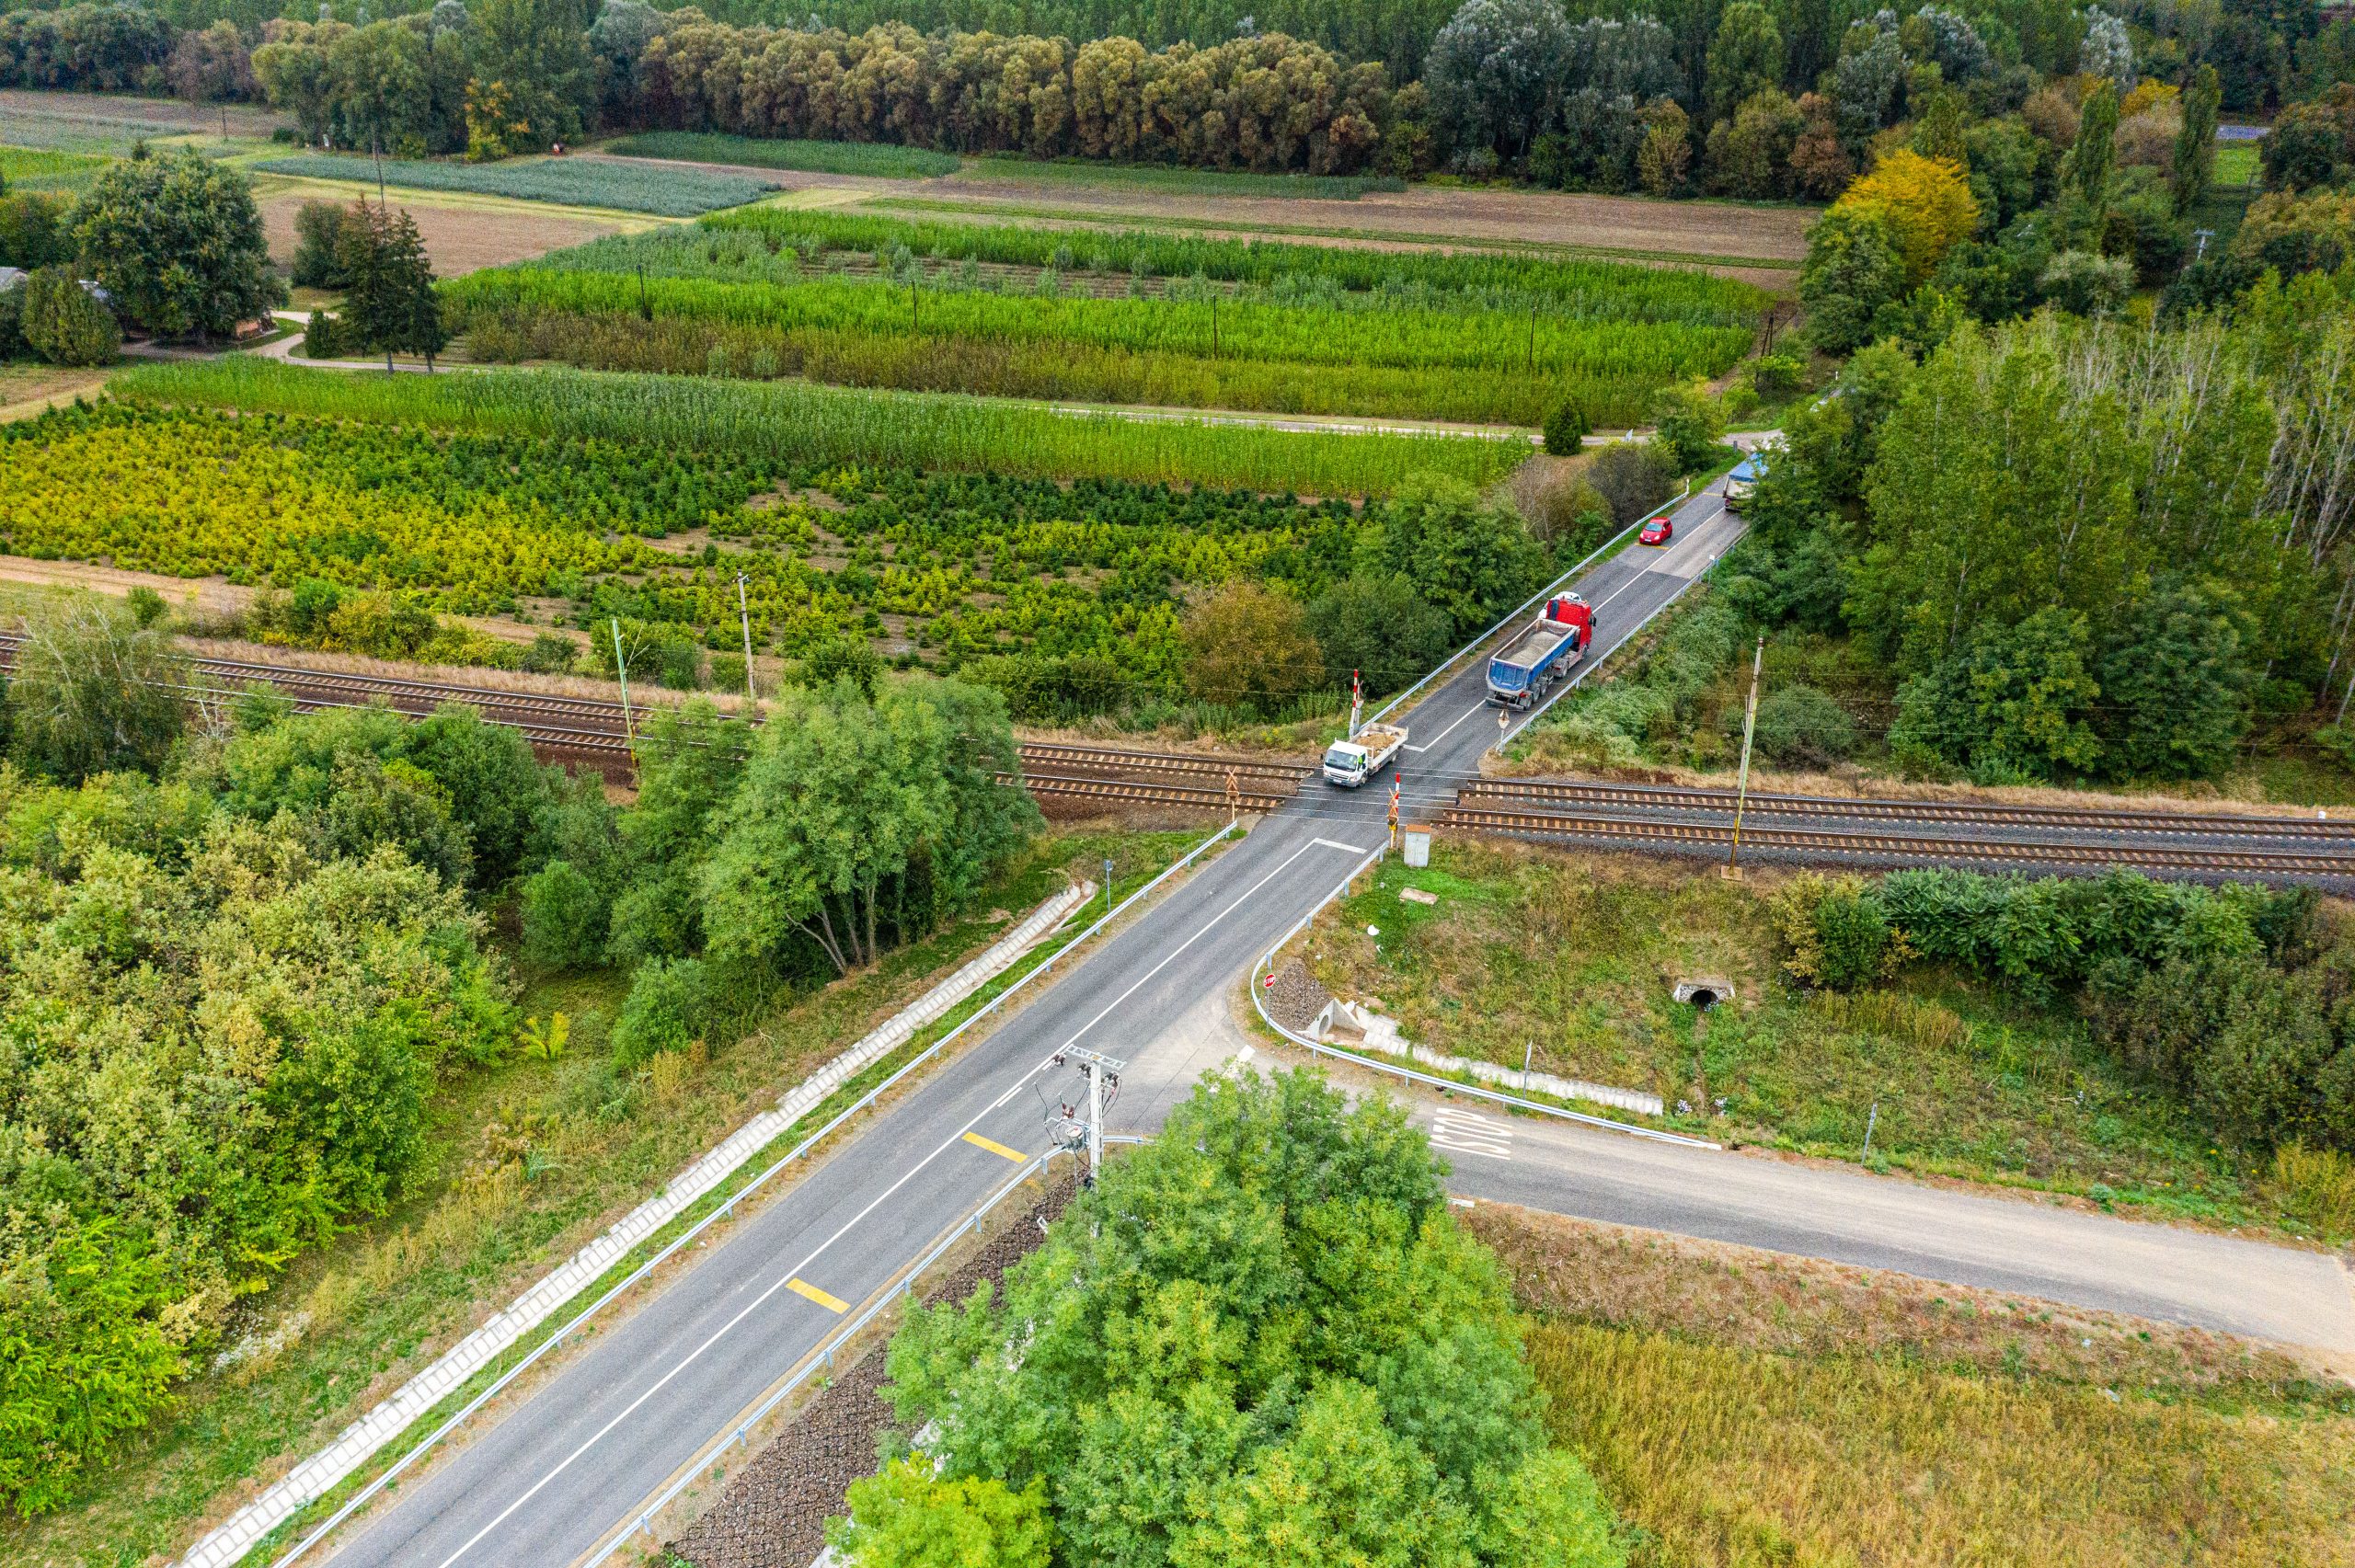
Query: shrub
[1247, 647]
[669, 1002]
[328, 338]
[62, 324]
[1690, 418]
[843, 658]
[1632, 477]
[564, 917]
[1799, 725]
[1566, 428]
[2318, 1185]
[1776, 375]
[318, 232]
[1838, 931]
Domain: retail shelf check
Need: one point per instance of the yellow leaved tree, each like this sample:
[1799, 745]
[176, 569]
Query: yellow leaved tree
[1925, 201]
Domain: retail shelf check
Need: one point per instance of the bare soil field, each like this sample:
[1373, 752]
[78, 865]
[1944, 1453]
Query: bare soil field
[1698, 228]
[111, 121]
[458, 240]
[27, 389]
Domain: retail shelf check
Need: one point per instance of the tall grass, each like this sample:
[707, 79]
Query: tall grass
[818, 424]
[1729, 1458]
[670, 193]
[873, 158]
[39, 168]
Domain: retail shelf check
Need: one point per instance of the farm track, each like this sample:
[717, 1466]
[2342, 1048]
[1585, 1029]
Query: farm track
[1821, 831]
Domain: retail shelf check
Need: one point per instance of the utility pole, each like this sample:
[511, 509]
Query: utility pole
[1107, 886]
[1103, 1075]
[1732, 871]
[744, 613]
[2203, 235]
[1533, 338]
[1213, 323]
[376, 147]
[621, 669]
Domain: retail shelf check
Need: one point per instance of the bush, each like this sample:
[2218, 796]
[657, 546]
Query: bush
[1381, 627]
[1633, 478]
[1566, 428]
[550, 654]
[329, 338]
[1246, 648]
[1800, 725]
[669, 999]
[1690, 420]
[564, 918]
[843, 658]
[62, 324]
[1776, 375]
[1838, 931]
[318, 232]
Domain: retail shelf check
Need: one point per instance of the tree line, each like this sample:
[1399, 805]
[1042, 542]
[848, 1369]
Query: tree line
[2083, 550]
[1761, 98]
[244, 947]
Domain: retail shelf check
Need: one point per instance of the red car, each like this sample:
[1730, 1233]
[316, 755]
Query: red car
[1657, 531]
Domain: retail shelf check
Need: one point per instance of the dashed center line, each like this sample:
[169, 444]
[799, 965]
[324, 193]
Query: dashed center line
[995, 1147]
[831, 1302]
[1468, 1132]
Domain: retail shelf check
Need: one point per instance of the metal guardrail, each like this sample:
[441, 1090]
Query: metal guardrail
[823, 1357]
[728, 1208]
[1317, 1048]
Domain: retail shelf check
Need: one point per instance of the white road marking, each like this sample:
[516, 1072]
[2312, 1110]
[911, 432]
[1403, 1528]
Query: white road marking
[1338, 844]
[1468, 1132]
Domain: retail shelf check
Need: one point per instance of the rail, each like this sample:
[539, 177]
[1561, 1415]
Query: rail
[1898, 846]
[899, 1290]
[727, 1209]
[1679, 797]
[1317, 1048]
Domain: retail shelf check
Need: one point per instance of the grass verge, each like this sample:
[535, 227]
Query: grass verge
[1574, 953]
[534, 1159]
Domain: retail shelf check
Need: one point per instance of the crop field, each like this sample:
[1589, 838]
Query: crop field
[109, 122]
[830, 425]
[35, 168]
[879, 159]
[573, 182]
[963, 566]
[1124, 318]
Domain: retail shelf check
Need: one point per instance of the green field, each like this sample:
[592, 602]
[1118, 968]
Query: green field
[820, 424]
[572, 182]
[1129, 318]
[874, 158]
[36, 168]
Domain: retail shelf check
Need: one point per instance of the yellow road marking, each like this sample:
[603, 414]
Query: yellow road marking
[803, 1287]
[978, 1141]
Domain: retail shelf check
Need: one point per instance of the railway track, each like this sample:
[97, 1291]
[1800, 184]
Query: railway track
[594, 730]
[1838, 847]
[1581, 793]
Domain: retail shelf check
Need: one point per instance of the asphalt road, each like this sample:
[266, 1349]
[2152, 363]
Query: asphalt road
[572, 1462]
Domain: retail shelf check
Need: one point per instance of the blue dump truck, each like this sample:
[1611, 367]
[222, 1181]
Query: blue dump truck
[1542, 652]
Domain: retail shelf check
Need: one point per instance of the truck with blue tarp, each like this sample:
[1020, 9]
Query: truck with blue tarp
[1542, 652]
